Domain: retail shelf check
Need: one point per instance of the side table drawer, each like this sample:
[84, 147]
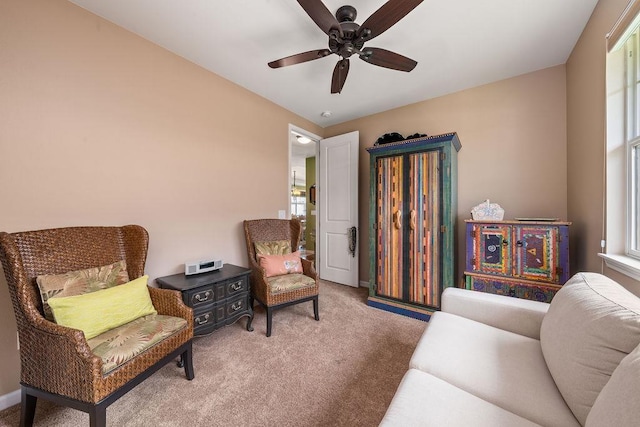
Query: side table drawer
[234, 287]
[216, 292]
[228, 309]
[204, 320]
[200, 296]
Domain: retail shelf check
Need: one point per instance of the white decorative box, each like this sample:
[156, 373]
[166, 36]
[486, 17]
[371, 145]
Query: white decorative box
[487, 211]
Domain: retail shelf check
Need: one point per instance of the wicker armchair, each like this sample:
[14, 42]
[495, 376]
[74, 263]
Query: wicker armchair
[269, 230]
[57, 364]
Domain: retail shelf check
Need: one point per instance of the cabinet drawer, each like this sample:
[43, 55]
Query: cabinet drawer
[236, 286]
[215, 292]
[518, 289]
[199, 296]
[203, 320]
[228, 309]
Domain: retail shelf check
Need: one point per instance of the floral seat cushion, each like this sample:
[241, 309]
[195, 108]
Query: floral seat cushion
[117, 346]
[289, 282]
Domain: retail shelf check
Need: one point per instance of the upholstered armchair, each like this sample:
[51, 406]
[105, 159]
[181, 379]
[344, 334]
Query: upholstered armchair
[59, 363]
[269, 239]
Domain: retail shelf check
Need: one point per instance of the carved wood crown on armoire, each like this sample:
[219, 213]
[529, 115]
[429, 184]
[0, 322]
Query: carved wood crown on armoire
[412, 216]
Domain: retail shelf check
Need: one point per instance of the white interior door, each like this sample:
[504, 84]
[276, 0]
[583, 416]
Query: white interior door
[337, 259]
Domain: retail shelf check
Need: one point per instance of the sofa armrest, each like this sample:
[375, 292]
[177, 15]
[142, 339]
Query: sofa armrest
[169, 303]
[523, 317]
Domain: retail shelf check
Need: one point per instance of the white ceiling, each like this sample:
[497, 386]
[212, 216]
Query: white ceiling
[458, 44]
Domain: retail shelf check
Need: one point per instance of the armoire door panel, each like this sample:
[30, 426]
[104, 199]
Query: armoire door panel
[390, 202]
[424, 228]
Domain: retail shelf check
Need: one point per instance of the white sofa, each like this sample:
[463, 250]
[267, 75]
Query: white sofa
[489, 360]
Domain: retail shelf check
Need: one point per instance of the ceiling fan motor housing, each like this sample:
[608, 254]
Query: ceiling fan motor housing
[349, 43]
[346, 13]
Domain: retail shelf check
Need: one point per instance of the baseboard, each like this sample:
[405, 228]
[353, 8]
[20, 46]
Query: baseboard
[9, 399]
[364, 284]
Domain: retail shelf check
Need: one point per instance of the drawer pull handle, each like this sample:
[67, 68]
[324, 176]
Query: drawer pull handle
[202, 298]
[236, 286]
[202, 322]
[236, 306]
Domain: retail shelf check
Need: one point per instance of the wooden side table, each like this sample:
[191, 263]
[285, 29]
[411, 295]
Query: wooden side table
[521, 258]
[218, 298]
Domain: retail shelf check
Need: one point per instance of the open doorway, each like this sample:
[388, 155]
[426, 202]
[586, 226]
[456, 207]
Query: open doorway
[303, 148]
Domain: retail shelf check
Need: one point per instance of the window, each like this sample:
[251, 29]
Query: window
[632, 143]
[622, 209]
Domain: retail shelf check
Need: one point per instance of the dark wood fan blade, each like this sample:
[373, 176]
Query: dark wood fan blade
[299, 58]
[382, 19]
[321, 15]
[386, 58]
[339, 75]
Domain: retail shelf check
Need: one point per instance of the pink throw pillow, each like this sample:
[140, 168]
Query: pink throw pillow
[277, 265]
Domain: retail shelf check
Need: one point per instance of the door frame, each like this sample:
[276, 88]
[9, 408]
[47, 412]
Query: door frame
[315, 138]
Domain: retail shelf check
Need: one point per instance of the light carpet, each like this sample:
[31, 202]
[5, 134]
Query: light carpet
[340, 371]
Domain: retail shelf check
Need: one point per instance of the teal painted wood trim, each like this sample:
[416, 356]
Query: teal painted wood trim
[372, 223]
[450, 210]
[405, 311]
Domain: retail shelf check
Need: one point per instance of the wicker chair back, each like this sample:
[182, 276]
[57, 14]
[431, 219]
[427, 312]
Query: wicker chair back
[57, 363]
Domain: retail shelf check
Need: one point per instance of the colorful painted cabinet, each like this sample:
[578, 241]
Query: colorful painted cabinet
[412, 219]
[524, 259]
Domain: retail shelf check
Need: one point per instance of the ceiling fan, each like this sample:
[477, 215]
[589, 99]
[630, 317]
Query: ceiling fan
[347, 38]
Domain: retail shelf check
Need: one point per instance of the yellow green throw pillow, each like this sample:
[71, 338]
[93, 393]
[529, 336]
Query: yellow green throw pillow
[100, 311]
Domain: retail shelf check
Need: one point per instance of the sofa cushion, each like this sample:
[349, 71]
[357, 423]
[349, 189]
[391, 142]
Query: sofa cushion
[591, 325]
[424, 400]
[616, 404]
[517, 315]
[80, 282]
[97, 312]
[289, 282]
[501, 367]
[119, 345]
[274, 247]
[277, 265]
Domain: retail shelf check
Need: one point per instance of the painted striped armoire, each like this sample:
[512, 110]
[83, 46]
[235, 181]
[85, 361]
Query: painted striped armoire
[412, 223]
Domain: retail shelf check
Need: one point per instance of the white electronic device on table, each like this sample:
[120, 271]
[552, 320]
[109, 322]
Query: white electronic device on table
[203, 266]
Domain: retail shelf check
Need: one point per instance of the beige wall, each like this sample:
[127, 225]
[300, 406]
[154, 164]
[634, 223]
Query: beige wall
[586, 117]
[513, 137]
[100, 127]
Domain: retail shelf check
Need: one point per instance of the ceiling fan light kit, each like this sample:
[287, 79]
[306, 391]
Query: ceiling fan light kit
[347, 38]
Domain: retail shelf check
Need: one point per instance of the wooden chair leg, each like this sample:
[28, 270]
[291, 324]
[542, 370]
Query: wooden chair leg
[249, 320]
[315, 308]
[249, 327]
[187, 359]
[27, 409]
[98, 416]
[269, 319]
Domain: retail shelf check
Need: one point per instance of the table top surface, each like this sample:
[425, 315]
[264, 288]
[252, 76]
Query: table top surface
[181, 282]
